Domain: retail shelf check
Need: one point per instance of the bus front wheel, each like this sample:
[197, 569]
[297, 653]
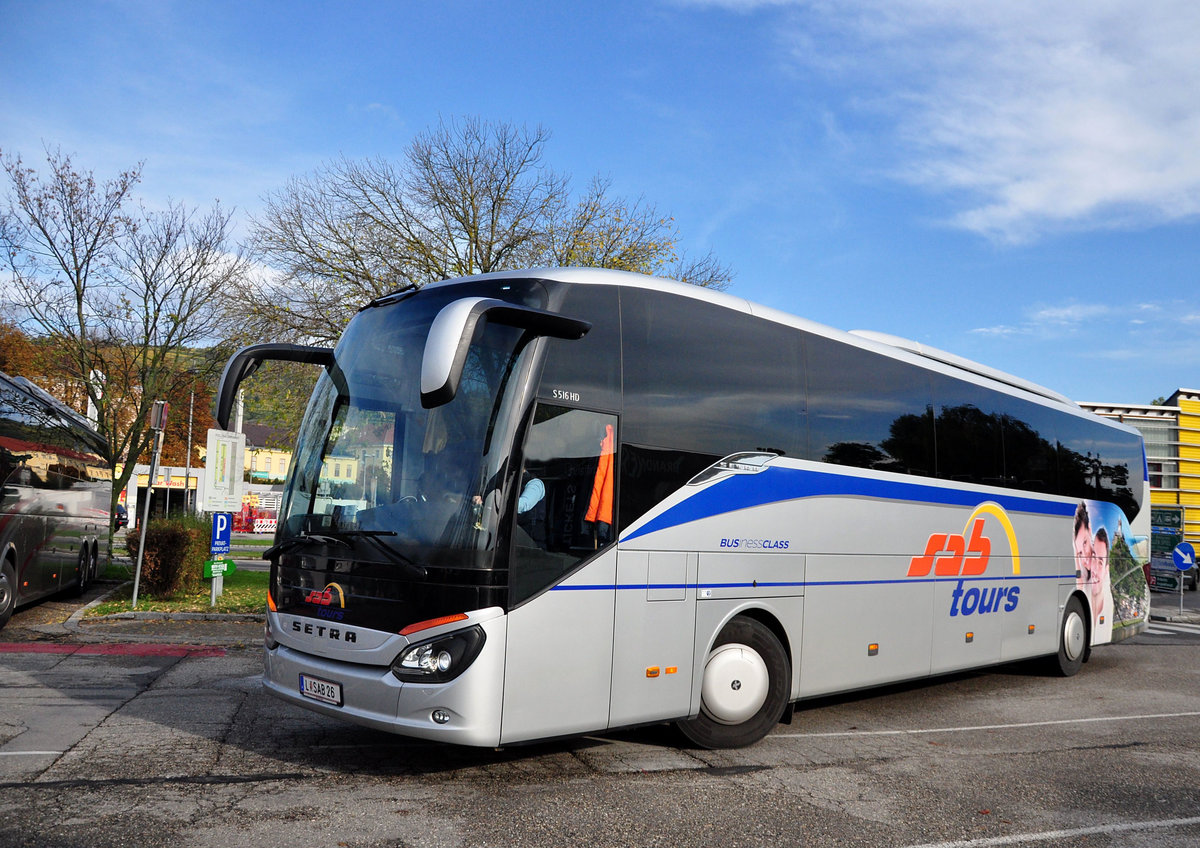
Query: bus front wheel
[8, 591]
[744, 690]
[1072, 639]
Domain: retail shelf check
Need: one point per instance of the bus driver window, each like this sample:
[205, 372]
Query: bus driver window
[570, 452]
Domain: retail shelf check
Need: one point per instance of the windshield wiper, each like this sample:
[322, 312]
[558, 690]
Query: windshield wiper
[395, 556]
[288, 544]
[371, 536]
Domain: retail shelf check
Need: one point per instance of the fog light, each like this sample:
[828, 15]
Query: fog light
[440, 716]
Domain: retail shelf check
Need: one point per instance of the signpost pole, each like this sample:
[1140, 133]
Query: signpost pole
[158, 423]
[1185, 558]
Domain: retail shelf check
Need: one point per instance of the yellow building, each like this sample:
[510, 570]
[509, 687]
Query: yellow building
[1187, 401]
[266, 463]
[1172, 433]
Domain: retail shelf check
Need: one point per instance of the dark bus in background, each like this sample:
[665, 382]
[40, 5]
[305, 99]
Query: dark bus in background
[57, 492]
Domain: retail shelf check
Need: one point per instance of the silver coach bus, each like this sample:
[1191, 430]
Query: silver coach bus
[56, 500]
[534, 504]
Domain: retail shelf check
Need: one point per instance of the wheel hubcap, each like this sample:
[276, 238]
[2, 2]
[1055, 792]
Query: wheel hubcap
[736, 682]
[1074, 635]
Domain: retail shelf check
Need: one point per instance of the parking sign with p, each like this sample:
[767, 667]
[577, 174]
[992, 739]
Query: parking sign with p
[222, 532]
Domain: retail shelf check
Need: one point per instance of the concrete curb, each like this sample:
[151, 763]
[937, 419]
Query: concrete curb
[72, 623]
[1188, 617]
[75, 628]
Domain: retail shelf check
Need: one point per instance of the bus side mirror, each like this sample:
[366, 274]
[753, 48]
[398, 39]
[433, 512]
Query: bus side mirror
[246, 361]
[454, 327]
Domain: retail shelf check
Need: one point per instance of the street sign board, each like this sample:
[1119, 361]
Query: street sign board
[218, 568]
[223, 469]
[1166, 531]
[1168, 517]
[222, 533]
[1165, 581]
[1185, 556]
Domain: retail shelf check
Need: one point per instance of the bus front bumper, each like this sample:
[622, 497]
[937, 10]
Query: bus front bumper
[464, 711]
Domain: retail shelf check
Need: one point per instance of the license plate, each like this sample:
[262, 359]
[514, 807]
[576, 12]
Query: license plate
[325, 691]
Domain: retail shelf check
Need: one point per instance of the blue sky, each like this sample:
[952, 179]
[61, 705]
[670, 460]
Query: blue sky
[1013, 182]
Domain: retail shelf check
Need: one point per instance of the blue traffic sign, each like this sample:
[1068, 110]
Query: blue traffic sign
[222, 532]
[1185, 556]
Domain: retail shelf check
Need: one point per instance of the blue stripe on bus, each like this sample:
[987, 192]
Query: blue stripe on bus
[803, 584]
[773, 485]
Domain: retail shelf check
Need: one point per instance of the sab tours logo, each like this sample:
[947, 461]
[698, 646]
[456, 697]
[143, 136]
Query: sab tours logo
[325, 600]
[966, 555]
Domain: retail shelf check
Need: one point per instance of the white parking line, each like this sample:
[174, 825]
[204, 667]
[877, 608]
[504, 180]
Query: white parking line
[31, 753]
[980, 727]
[1054, 835]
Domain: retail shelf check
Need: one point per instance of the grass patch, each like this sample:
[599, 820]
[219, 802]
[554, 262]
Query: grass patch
[244, 592]
[253, 541]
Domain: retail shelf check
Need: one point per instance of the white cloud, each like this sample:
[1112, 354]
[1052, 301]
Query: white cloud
[1071, 314]
[1031, 116]
[1002, 331]
[1101, 322]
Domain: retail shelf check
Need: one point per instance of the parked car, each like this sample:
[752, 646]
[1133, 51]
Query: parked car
[120, 517]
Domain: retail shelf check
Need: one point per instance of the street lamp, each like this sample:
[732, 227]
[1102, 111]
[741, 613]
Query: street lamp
[187, 473]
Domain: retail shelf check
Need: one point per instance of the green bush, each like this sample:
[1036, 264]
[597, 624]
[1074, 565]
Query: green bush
[176, 549]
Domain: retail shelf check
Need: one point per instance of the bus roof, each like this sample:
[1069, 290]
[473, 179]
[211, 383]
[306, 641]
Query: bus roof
[883, 343]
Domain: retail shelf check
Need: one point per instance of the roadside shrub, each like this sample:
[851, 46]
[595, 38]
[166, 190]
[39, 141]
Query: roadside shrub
[176, 549]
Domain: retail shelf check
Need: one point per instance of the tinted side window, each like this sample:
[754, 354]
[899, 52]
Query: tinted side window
[703, 379]
[867, 410]
[1030, 447]
[9, 432]
[1100, 462]
[649, 475]
[969, 429]
[992, 438]
[586, 371]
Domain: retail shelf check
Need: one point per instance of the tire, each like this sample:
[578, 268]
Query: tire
[8, 591]
[1073, 639]
[83, 573]
[745, 688]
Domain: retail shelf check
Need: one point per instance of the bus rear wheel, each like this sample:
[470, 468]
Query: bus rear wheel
[1072, 639]
[83, 572]
[745, 687]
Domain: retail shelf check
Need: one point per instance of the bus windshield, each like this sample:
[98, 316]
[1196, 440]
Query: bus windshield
[376, 473]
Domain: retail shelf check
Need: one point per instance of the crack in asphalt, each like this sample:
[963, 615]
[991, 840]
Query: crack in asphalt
[202, 780]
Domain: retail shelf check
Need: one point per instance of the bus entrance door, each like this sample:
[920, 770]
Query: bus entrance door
[653, 636]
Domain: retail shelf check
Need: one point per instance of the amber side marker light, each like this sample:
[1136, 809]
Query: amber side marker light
[433, 622]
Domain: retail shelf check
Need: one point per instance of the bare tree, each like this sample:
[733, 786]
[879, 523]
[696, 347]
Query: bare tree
[125, 300]
[469, 197]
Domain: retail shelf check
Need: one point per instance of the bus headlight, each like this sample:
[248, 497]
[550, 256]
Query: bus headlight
[439, 659]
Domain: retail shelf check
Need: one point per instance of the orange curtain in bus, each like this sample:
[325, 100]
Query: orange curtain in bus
[600, 508]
